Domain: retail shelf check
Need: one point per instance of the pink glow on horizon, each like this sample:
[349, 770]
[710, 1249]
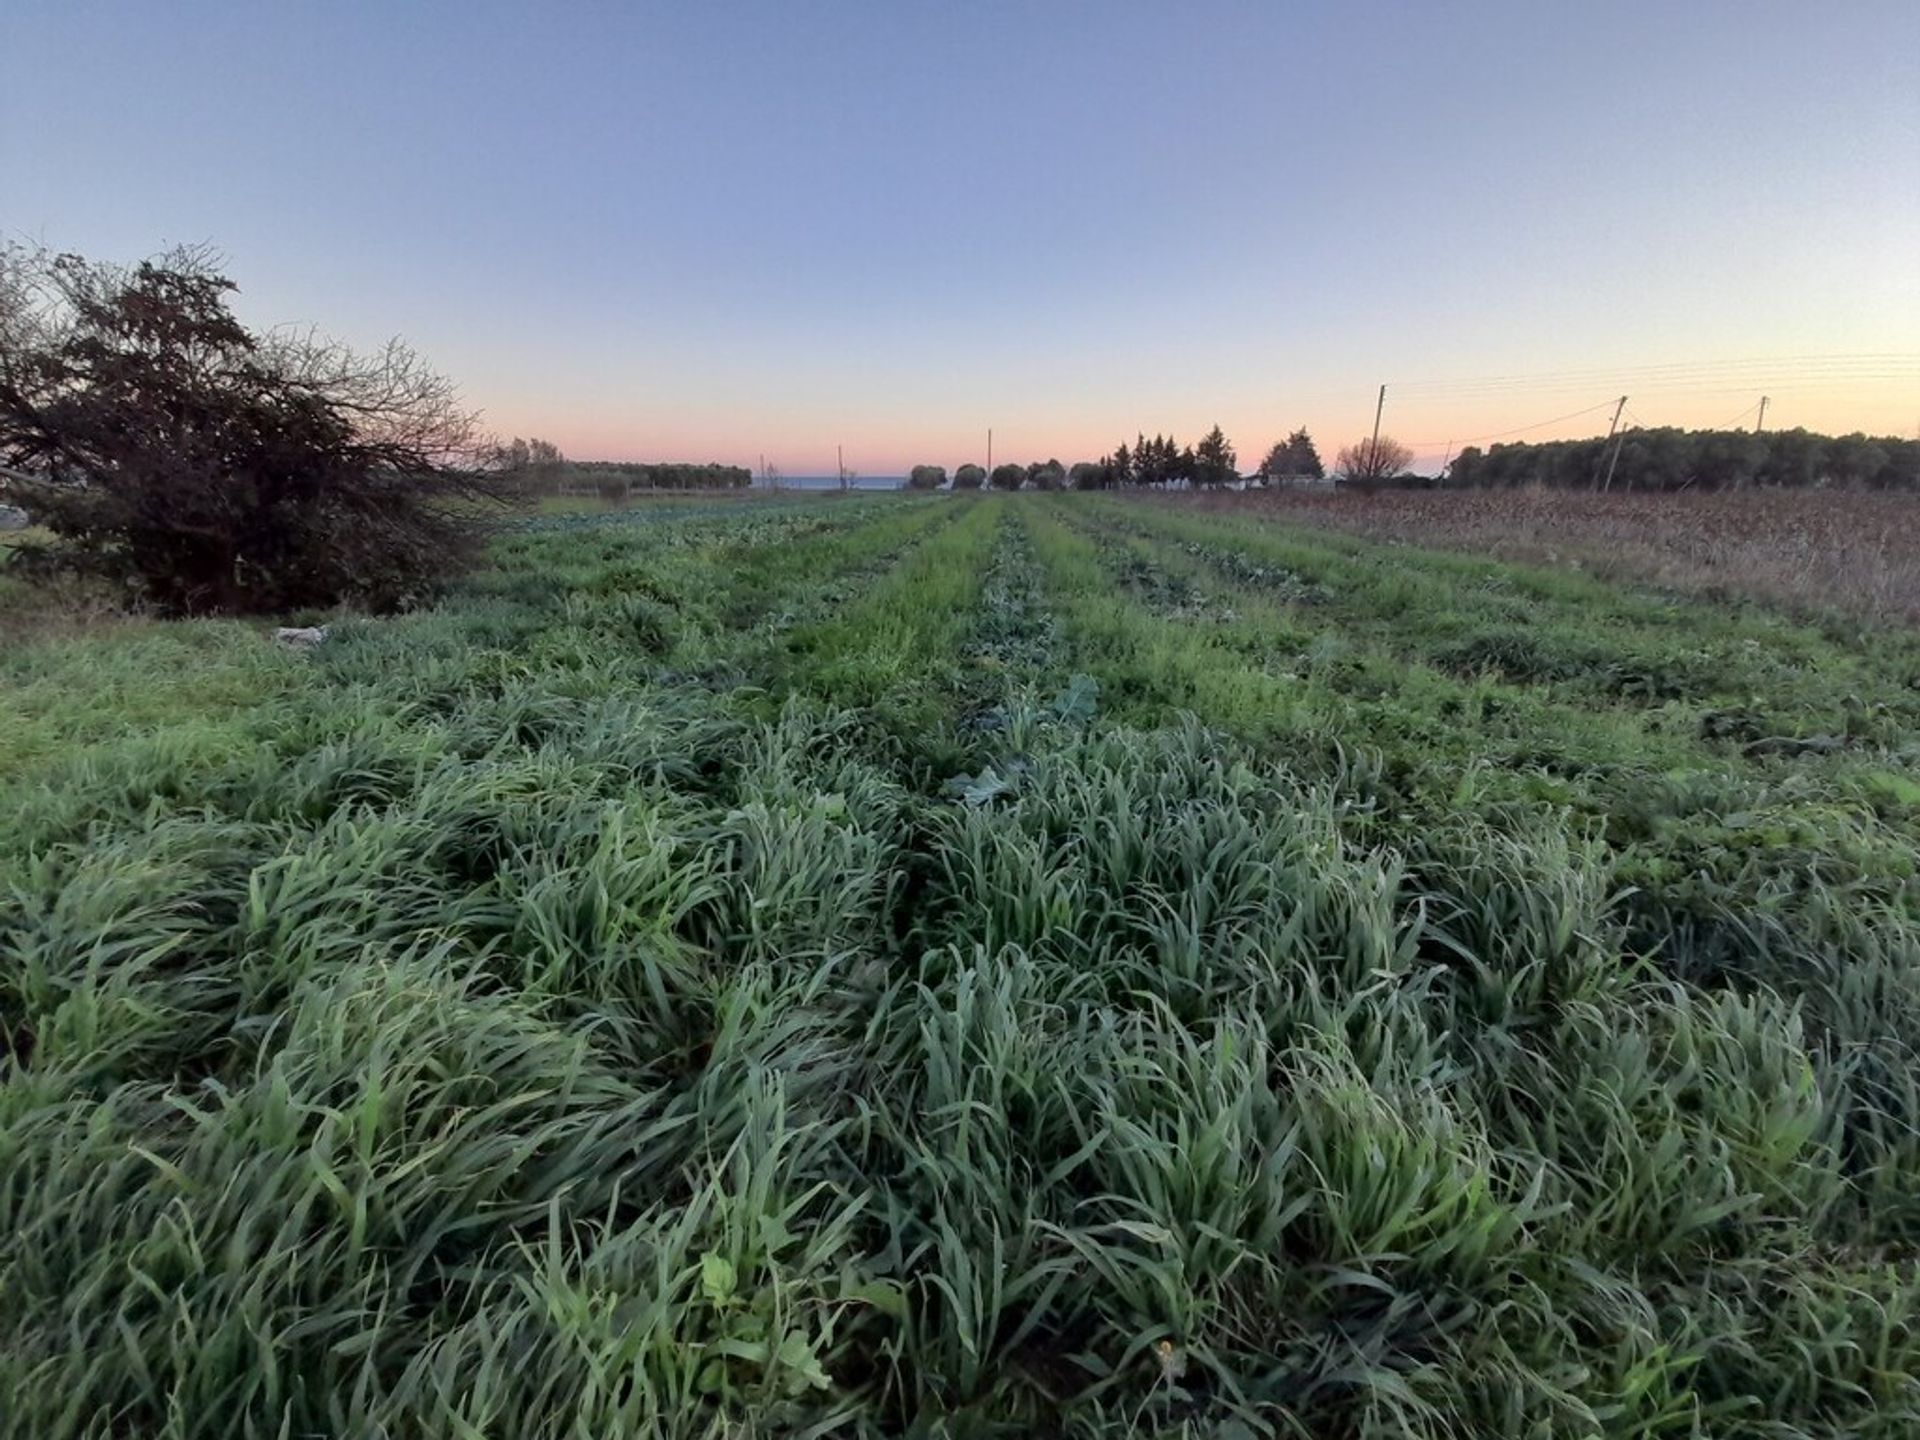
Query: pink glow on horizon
[883, 447]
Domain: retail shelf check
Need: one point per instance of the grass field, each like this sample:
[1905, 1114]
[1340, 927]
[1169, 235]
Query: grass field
[965, 966]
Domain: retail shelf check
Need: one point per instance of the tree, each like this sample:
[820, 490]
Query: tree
[1368, 462]
[1214, 462]
[1293, 458]
[1120, 465]
[1186, 465]
[211, 469]
[969, 477]
[1796, 459]
[1155, 461]
[1856, 459]
[1272, 469]
[926, 477]
[1008, 476]
[535, 465]
[1046, 475]
[1303, 459]
[1090, 475]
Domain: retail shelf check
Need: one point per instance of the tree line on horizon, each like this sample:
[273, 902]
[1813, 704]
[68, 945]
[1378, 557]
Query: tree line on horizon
[542, 468]
[1670, 458]
[1665, 459]
[1159, 460]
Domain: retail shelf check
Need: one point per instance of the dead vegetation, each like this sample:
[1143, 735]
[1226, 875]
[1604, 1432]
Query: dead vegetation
[1848, 551]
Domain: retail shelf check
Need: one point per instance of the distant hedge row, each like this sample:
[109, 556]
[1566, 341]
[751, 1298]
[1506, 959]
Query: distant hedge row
[617, 477]
[1672, 459]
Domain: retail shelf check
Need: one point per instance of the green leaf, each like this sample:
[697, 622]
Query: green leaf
[774, 1234]
[717, 1278]
[796, 1355]
[883, 1295]
[1079, 702]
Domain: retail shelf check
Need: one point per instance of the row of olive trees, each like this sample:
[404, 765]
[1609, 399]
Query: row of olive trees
[1040, 475]
[541, 469]
[1673, 459]
[616, 479]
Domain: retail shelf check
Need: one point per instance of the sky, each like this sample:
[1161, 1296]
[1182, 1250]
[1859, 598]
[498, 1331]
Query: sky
[719, 231]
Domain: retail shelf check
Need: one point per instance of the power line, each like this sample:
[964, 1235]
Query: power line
[1729, 424]
[1680, 383]
[1517, 430]
[1894, 363]
[1774, 385]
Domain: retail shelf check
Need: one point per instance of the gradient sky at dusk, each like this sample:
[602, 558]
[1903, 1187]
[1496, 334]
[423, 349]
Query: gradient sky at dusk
[712, 231]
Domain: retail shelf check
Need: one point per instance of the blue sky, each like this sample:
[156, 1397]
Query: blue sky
[720, 230]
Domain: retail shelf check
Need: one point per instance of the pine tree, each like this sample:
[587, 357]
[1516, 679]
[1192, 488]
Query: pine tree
[1214, 462]
[1302, 457]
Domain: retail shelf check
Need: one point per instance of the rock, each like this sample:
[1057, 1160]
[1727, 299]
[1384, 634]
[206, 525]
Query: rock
[12, 517]
[297, 638]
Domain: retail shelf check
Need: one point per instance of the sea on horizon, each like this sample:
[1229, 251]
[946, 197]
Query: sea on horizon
[832, 482]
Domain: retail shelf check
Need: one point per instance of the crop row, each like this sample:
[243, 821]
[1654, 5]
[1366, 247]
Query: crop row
[967, 966]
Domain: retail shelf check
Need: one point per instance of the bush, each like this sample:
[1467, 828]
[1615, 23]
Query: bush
[208, 469]
[1089, 476]
[1009, 476]
[969, 477]
[927, 477]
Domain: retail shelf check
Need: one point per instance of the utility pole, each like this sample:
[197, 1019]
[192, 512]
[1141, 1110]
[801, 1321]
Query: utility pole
[1373, 445]
[989, 453]
[1761, 423]
[840, 463]
[1612, 425]
[1619, 438]
[1442, 476]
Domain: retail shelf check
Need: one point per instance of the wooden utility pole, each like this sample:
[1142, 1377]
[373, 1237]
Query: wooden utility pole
[1373, 445]
[989, 453]
[1612, 425]
[840, 464]
[1619, 438]
[1761, 423]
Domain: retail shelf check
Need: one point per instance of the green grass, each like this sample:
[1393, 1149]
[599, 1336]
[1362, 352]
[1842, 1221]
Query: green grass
[971, 967]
